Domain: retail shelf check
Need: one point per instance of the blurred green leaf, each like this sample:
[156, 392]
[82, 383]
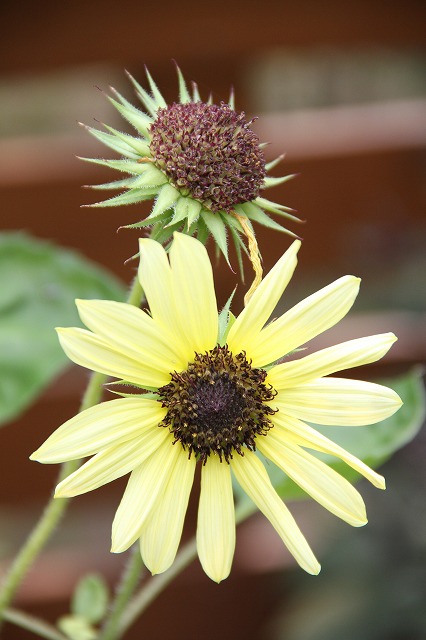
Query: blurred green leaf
[90, 599]
[39, 283]
[76, 628]
[373, 444]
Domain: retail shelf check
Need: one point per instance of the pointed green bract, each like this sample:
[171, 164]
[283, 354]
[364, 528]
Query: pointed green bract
[166, 199]
[140, 146]
[217, 228]
[155, 91]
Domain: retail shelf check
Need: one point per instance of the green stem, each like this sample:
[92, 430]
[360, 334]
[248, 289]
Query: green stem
[55, 509]
[157, 584]
[125, 590]
[31, 623]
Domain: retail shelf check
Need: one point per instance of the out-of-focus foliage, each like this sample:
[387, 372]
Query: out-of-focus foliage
[39, 283]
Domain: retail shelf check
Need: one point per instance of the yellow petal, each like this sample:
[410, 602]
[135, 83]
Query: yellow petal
[216, 520]
[95, 353]
[106, 424]
[145, 487]
[252, 476]
[321, 482]
[346, 355]
[161, 534]
[111, 463]
[338, 401]
[131, 331]
[309, 318]
[195, 297]
[293, 430]
[155, 276]
[251, 320]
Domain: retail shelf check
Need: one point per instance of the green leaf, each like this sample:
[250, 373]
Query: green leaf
[374, 444]
[39, 285]
[76, 628]
[90, 599]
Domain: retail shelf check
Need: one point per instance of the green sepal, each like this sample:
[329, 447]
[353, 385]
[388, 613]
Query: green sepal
[202, 231]
[273, 163]
[140, 146]
[217, 228]
[186, 209]
[184, 95]
[270, 181]
[274, 207]
[226, 320]
[125, 183]
[167, 196]
[125, 166]
[181, 210]
[156, 94]
[231, 100]
[114, 143]
[151, 177]
[195, 94]
[148, 222]
[162, 233]
[255, 213]
[148, 102]
[137, 118]
[129, 197]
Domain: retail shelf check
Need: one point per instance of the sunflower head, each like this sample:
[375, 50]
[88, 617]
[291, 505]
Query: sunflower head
[199, 162]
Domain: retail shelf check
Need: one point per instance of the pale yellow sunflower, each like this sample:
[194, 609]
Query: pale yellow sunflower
[200, 162]
[209, 392]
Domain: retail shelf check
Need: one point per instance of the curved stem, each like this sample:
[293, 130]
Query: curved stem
[157, 584]
[130, 579]
[55, 508]
[31, 623]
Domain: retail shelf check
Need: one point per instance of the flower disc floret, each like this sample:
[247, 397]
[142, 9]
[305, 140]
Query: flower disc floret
[217, 406]
[209, 152]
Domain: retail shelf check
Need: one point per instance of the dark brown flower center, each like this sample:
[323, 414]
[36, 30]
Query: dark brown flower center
[209, 152]
[217, 405]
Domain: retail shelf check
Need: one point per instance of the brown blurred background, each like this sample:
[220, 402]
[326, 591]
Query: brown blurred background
[341, 89]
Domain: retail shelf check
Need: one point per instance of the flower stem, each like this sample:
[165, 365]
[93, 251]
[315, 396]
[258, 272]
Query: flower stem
[55, 508]
[157, 584]
[31, 623]
[129, 582]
